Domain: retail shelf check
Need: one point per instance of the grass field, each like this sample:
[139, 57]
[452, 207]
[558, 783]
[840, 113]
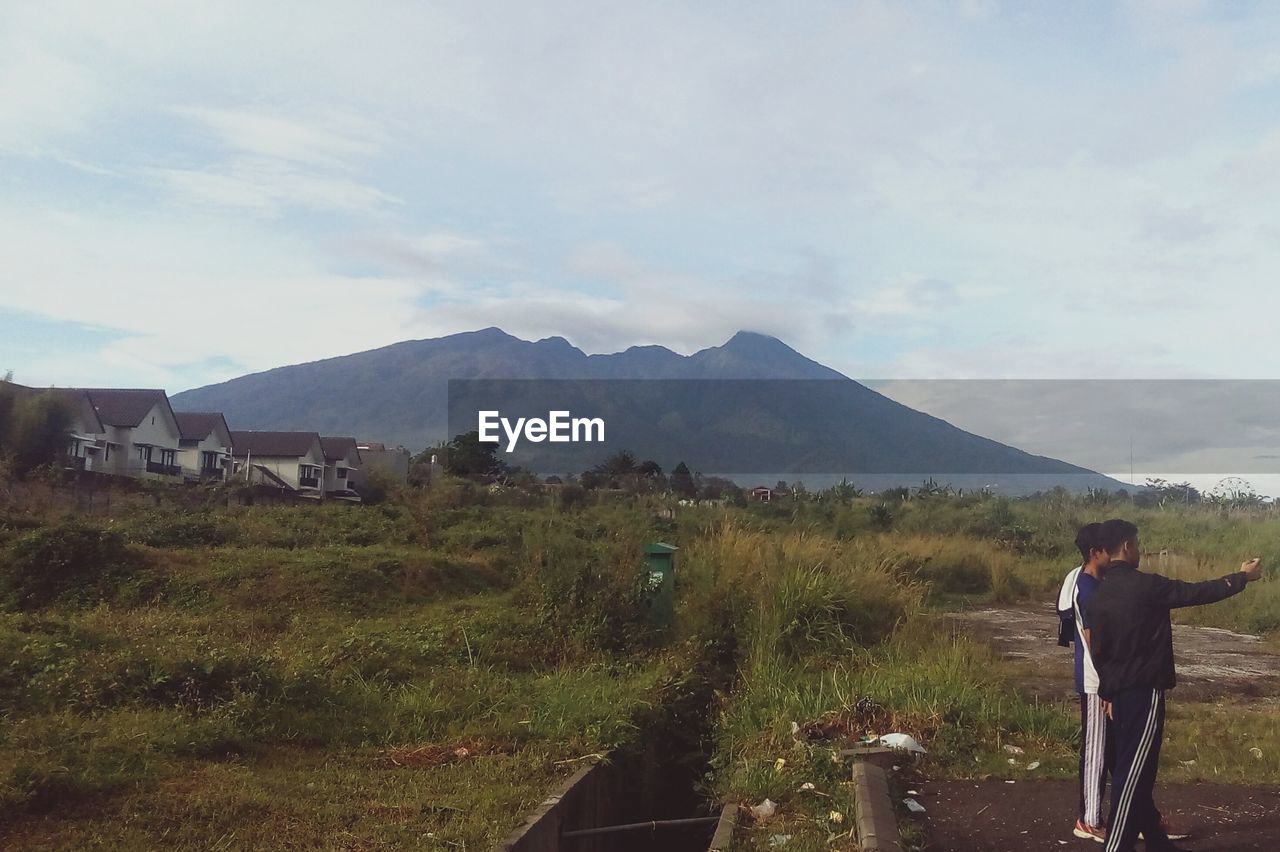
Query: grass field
[418, 674]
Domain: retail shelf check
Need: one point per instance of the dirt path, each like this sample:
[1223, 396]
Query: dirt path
[1211, 662]
[994, 816]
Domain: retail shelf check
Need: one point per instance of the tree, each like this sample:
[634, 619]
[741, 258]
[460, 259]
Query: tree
[33, 427]
[650, 469]
[682, 481]
[469, 457]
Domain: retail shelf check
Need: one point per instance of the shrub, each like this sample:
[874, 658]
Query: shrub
[72, 562]
[181, 530]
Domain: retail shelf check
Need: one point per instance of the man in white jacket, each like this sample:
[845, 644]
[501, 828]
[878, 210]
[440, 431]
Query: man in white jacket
[1097, 746]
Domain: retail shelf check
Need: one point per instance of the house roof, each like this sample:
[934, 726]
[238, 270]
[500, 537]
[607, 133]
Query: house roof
[273, 443]
[337, 449]
[124, 407]
[372, 446]
[76, 397]
[198, 425]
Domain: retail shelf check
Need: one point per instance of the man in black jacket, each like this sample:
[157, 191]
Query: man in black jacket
[1132, 648]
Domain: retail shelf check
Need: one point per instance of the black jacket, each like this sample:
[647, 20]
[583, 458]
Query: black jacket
[1131, 639]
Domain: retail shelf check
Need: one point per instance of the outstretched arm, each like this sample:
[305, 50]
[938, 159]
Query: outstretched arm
[1174, 594]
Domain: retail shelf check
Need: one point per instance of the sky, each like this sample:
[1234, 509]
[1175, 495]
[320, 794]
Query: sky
[190, 192]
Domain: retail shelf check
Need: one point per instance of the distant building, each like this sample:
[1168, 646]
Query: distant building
[204, 449]
[138, 437]
[761, 494]
[292, 461]
[377, 456]
[341, 466]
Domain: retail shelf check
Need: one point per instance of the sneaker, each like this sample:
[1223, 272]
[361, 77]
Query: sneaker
[1173, 833]
[1090, 832]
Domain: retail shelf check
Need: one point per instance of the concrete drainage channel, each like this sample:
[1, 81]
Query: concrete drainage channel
[646, 797]
[587, 814]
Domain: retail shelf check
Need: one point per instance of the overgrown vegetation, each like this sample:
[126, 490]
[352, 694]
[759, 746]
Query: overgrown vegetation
[420, 672]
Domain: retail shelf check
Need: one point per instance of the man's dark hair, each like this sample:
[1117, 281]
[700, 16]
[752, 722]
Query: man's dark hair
[1114, 533]
[1087, 540]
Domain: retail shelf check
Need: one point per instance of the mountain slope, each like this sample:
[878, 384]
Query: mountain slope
[828, 424]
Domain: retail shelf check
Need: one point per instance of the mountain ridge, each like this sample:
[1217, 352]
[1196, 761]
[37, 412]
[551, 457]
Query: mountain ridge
[399, 394]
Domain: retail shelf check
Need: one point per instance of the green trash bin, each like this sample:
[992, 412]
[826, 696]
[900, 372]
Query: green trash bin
[660, 559]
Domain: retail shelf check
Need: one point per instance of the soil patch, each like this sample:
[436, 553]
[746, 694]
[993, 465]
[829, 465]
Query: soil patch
[1211, 662]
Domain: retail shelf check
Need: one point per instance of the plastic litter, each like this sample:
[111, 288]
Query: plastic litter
[1256, 752]
[1191, 762]
[913, 806]
[1013, 749]
[808, 785]
[764, 810]
[1035, 764]
[1013, 761]
[780, 764]
[836, 817]
[905, 742]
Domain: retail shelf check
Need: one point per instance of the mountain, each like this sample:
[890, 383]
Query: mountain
[761, 407]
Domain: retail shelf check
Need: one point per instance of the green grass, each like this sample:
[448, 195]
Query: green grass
[303, 675]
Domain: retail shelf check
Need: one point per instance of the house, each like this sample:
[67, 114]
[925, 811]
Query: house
[138, 435]
[761, 494]
[394, 461]
[341, 465]
[204, 448]
[293, 461]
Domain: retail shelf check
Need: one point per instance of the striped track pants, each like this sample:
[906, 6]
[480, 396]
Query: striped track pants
[1138, 721]
[1097, 757]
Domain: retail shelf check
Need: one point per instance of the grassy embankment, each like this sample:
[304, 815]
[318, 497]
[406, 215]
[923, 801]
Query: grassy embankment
[315, 677]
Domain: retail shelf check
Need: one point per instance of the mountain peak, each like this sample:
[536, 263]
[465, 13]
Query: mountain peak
[754, 341]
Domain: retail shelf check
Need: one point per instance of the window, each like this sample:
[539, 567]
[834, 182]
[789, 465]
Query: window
[342, 473]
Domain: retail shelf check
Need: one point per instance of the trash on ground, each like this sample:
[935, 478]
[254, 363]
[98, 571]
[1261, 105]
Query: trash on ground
[780, 764]
[808, 785]
[1013, 749]
[906, 742]
[1035, 764]
[1191, 762]
[836, 817]
[764, 810]
[913, 806]
[1256, 752]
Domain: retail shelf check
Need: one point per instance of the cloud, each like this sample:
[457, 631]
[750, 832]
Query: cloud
[892, 187]
[331, 139]
[269, 187]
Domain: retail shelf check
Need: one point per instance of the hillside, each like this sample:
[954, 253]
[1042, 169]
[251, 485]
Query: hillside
[825, 424]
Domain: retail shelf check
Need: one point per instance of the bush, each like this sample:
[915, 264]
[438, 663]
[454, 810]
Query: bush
[181, 530]
[71, 562]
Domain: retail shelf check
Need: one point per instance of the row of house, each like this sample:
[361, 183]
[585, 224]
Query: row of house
[136, 433]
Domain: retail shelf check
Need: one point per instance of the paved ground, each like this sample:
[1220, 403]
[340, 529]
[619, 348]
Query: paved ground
[991, 815]
[1211, 662]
